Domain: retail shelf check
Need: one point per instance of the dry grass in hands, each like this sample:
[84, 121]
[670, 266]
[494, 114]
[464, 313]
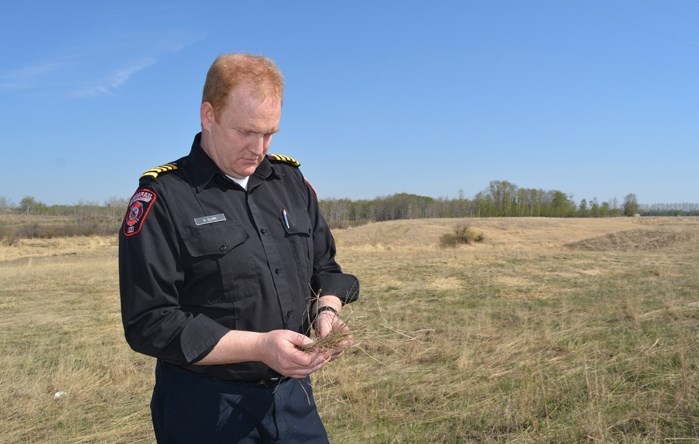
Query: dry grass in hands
[331, 341]
[334, 339]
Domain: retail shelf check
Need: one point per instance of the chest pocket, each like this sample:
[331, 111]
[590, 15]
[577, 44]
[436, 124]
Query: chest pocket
[299, 232]
[220, 264]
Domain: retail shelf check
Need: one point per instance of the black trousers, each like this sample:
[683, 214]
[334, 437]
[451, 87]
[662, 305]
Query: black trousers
[189, 408]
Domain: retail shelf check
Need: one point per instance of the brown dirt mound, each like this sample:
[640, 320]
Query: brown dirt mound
[632, 240]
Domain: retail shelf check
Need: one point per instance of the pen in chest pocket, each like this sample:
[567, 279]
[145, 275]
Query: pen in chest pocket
[285, 218]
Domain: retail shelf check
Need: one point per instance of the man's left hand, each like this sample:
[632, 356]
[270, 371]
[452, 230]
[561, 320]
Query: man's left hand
[329, 322]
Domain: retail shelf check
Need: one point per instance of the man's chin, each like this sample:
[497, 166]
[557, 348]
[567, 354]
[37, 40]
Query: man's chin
[243, 172]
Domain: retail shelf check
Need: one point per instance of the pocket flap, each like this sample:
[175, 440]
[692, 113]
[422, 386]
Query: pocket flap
[296, 222]
[216, 239]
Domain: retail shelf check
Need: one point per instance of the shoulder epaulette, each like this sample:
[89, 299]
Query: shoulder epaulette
[284, 159]
[157, 171]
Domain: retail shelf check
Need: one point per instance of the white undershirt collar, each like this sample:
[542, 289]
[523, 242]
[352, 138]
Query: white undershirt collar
[242, 182]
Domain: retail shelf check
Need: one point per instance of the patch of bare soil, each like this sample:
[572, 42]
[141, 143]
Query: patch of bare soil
[633, 240]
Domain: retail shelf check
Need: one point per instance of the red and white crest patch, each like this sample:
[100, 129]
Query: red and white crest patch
[139, 206]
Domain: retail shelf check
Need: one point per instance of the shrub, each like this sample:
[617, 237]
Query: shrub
[463, 234]
[9, 236]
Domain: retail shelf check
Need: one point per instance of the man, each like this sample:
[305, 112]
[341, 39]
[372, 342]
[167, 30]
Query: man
[225, 264]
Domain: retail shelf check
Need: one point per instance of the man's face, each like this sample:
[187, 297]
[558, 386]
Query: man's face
[238, 142]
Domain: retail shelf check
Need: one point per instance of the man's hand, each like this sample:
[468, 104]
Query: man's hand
[328, 322]
[278, 349]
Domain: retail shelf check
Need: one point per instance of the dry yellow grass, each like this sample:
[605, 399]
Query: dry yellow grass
[526, 337]
[61, 332]
[552, 330]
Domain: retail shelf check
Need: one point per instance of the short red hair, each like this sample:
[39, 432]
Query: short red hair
[231, 70]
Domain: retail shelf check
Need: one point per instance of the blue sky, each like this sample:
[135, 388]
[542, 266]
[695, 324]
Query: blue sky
[595, 98]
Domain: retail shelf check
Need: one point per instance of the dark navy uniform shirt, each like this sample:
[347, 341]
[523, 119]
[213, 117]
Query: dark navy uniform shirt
[199, 255]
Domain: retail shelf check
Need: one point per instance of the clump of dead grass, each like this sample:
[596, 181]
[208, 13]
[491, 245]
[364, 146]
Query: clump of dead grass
[463, 234]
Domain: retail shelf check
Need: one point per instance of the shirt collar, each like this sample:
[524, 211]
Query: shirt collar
[202, 169]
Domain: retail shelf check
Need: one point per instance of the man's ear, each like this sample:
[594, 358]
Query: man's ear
[207, 115]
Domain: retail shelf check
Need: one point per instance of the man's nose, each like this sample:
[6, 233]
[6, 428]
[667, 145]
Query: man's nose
[259, 142]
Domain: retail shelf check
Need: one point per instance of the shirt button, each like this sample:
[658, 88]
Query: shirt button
[222, 248]
[277, 271]
[263, 230]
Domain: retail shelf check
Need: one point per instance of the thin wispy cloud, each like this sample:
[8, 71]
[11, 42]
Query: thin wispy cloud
[28, 76]
[100, 68]
[115, 80]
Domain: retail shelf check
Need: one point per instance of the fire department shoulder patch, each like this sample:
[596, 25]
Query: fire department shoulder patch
[139, 206]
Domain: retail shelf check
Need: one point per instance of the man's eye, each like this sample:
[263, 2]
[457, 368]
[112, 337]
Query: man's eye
[244, 132]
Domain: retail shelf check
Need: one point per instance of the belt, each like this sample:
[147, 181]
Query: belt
[272, 381]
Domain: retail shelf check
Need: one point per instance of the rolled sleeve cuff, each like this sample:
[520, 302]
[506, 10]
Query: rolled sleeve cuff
[344, 286]
[200, 336]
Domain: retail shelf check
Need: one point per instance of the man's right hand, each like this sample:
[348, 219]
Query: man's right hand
[279, 351]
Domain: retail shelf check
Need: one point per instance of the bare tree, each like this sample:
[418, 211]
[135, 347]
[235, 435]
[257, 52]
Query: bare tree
[630, 207]
[5, 205]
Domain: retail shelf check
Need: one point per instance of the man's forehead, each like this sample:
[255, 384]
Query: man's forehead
[258, 90]
[255, 117]
[250, 102]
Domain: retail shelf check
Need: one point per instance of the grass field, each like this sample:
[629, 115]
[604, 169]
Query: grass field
[550, 330]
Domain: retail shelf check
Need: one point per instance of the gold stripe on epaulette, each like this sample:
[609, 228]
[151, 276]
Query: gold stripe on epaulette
[286, 159]
[154, 172]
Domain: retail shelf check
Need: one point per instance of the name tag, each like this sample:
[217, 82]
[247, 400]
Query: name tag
[209, 219]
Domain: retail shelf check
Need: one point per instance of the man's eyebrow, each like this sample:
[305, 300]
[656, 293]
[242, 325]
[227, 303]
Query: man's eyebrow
[270, 132]
[251, 131]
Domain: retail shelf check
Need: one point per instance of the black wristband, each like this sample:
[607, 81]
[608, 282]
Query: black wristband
[327, 308]
[323, 308]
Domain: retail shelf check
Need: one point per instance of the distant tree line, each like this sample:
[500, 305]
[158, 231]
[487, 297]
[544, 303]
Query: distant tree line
[34, 219]
[112, 207]
[678, 209]
[499, 199]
